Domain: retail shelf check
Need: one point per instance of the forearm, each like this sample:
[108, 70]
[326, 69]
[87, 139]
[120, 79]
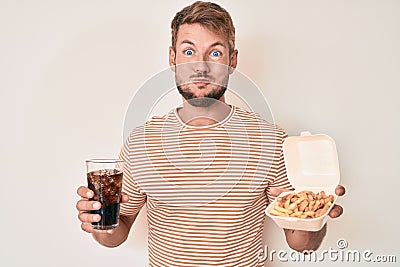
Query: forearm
[118, 235]
[305, 240]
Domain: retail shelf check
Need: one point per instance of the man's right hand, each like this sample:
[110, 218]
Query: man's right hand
[108, 238]
[84, 206]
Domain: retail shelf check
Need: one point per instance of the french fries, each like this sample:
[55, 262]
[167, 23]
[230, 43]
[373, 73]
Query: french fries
[305, 205]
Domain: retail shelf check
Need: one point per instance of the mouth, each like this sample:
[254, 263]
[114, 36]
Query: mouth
[201, 82]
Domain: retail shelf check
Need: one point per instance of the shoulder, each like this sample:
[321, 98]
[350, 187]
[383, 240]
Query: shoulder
[154, 124]
[251, 118]
[161, 120]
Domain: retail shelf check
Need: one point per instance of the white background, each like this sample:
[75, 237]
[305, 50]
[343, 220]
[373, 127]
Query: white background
[69, 69]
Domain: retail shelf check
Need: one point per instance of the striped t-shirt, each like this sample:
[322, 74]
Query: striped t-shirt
[205, 187]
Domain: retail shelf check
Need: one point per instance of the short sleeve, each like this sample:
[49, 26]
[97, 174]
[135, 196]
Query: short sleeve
[280, 176]
[137, 197]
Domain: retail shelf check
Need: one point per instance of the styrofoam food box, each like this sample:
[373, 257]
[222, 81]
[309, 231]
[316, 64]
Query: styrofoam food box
[311, 164]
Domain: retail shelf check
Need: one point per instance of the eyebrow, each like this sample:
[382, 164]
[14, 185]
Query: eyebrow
[212, 45]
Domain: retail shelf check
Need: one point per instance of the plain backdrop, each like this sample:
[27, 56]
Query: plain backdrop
[69, 69]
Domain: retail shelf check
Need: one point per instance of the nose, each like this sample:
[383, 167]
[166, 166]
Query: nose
[201, 66]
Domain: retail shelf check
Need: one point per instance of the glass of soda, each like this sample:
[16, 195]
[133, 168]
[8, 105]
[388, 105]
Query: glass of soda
[104, 178]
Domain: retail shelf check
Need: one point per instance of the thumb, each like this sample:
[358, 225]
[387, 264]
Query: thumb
[124, 198]
[276, 191]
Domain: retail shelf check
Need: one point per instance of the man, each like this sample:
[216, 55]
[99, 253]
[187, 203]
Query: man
[205, 200]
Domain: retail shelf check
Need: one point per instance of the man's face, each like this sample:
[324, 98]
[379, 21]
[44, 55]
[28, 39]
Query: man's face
[202, 64]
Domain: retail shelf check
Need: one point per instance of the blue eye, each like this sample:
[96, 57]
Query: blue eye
[215, 54]
[188, 52]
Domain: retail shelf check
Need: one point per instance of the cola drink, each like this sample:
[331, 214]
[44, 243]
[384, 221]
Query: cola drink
[107, 187]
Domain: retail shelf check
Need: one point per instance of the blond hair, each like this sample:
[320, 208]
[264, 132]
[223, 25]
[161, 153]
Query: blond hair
[210, 15]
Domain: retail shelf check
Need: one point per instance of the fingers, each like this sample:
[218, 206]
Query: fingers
[276, 191]
[87, 227]
[83, 206]
[340, 190]
[85, 192]
[336, 211]
[85, 217]
[124, 198]
[86, 205]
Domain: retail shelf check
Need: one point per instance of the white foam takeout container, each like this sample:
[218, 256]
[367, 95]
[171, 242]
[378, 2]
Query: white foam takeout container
[311, 164]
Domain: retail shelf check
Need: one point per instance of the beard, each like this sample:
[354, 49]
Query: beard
[203, 101]
[217, 91]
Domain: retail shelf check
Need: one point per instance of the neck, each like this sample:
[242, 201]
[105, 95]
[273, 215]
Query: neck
[204, 116]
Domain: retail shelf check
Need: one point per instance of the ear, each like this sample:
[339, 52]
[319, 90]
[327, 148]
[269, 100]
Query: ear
[233, 61]
[172, 59]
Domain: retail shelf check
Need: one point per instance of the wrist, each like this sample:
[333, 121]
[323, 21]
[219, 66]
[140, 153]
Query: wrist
[305, 240]
[111, 238]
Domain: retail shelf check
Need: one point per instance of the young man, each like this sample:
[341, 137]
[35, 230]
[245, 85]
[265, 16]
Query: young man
[205, 200]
